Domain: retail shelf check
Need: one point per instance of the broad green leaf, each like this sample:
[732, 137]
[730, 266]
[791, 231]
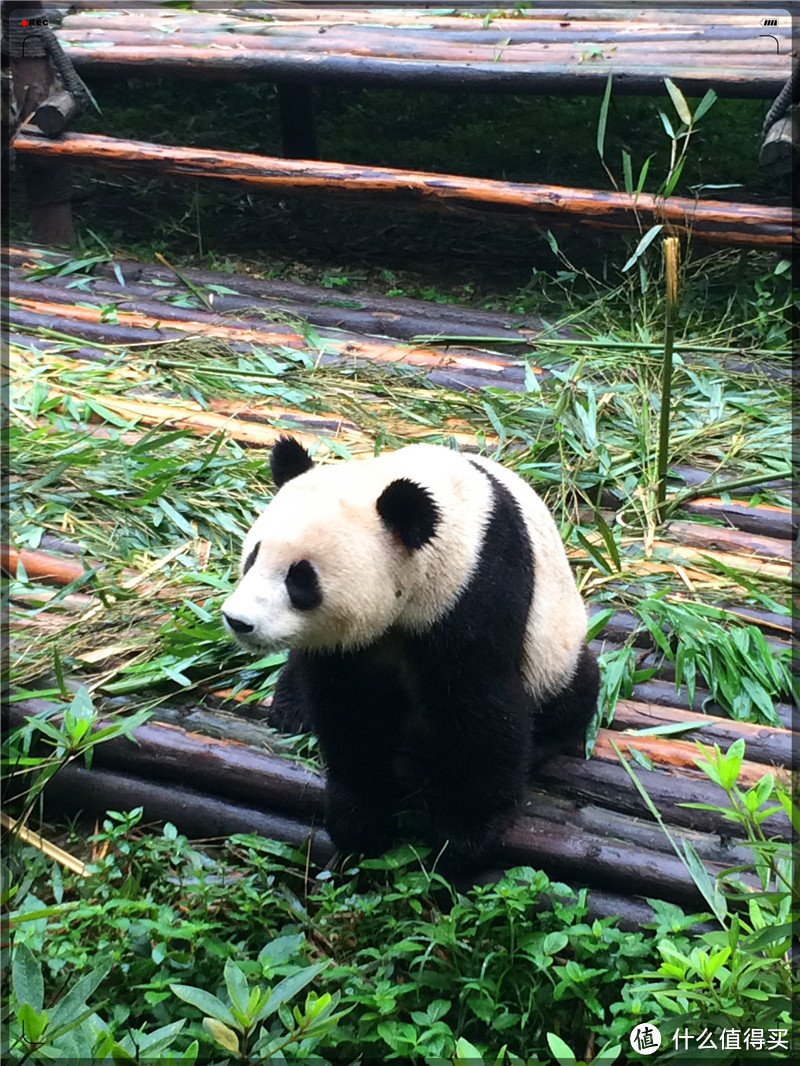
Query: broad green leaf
[598, 621]
[562, 1051]
[674, 178]
[554, 942]
[608, 539]
[26, 975]
[667, 125]
[466, 1051]
[287, 988]
[643, 175]
[205, 1002]
[32, 1023]
[236, 984]
[224, 1036]
[627, 171]
[71, 1004]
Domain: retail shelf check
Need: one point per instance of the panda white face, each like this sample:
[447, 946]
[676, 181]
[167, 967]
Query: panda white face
[316, 573]
[346, 551]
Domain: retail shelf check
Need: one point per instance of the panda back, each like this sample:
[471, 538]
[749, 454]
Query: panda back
[557, 618]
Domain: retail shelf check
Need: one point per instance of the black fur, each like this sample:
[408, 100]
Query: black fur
[408, 510]
[288, 459]
[302, 584]
[236, 625]
[251, 558]
[461, 679]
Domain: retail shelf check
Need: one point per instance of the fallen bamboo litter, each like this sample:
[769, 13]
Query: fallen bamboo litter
[735, 223]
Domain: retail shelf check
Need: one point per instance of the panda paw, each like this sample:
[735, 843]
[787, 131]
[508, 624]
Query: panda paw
[355, 827]
[289, 713]
[461, 848]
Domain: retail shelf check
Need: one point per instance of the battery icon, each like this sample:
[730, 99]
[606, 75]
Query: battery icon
[769, 22]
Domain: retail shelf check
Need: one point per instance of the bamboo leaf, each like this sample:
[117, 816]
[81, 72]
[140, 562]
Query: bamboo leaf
[627, 171]
[673, 178]
[603, 120]
[648, 238]
[643, 175]
[679, 100]
[708, 100]
[667, 125]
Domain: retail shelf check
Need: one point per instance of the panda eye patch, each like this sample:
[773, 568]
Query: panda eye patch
[302, 584]
[251, 558]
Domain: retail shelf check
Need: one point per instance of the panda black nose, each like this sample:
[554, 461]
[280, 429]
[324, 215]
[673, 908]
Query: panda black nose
[237, 625]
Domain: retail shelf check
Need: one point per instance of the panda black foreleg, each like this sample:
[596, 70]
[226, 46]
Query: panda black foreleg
[290, 711]
[562, 720]
[357, 710]
[481, 775]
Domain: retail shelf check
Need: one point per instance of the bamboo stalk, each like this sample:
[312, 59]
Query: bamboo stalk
[35, 840]
[671, 251]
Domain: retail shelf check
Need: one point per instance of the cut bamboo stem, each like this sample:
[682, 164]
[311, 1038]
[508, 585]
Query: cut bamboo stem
[671, 250]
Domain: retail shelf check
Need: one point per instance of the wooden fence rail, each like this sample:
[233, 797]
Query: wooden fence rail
[730, 223]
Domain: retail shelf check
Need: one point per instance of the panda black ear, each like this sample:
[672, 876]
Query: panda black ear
[409, 511]
[288, 459]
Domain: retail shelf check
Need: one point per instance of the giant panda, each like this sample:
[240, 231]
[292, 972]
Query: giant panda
[429, 607]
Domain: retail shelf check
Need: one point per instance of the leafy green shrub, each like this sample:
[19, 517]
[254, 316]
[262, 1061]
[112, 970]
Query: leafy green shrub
[169, 950]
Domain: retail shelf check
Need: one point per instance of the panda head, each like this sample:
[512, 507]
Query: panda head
[334, 559]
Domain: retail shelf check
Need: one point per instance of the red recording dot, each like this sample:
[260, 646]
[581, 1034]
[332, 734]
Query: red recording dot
[24, 22]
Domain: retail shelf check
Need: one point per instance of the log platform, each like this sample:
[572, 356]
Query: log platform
[214, 767]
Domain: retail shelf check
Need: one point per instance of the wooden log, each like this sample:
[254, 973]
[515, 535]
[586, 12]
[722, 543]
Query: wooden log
[749, 76]
[663, 692]
[30, 311]
[778, 152]
[719, 537]
[55, 113]
[560, 811]
[459, 32]
[47, 186]
[735, 223]
[592, 858]
[586, 857]
[40, 565]
[665, 752]
[331, 16]
[169, 754]
[553, 47]
[203, 817]
[763, 744]
[766, 519]
[357, 312]
[692, 476]
[195, 813]
[607, 784]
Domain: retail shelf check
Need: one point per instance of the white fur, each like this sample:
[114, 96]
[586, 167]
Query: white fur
[328, 516]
